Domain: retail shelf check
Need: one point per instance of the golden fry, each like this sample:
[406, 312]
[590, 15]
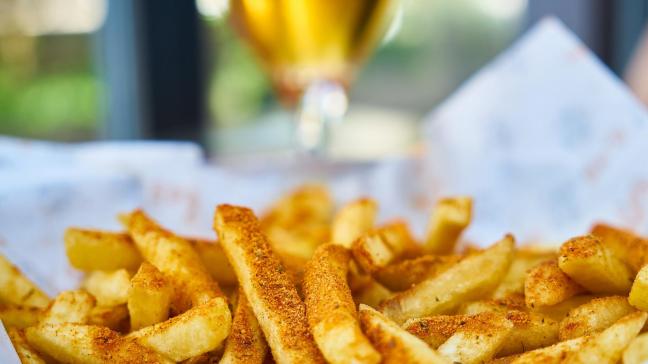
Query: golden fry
[267, 286]
[592, 265]
[149, 297]
[353, 220]
[100, 250]
[20, 317]
[16, 289]
[405, 274]
[196, 331]
[547, 285]
[109, 288]
[82, 344]
[608, 346]
[331, 311]
[448, 220]
[246, 343]
[479, 274]
[594, 316]
[174, 257]
[26, 354]
[69, 307]
[627, 246]
[639, 291]
[396, 345]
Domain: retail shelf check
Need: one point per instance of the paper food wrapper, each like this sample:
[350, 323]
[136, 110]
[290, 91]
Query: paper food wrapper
[545, 138]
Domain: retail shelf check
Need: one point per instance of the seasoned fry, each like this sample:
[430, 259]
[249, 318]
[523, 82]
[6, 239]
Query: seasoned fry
[479, 274]
[26, 354]
[528, 331]
[113, 317]
[196, 331]
[331, 310]
[149, 297]
[554, 354]
[380, 247]
[523, 262]
[20, 316]
[214, 259]
[353, 220]
[639, 291]
[174, 257]
[594, 316]
[547, 285]
[371, 293]
[396, 345]
[592, 265]
[307, 204]
[74, 343]
[109, 288]
[16, 289]
[627, 246]
[608, 346]
[448, 220]
[246, 343]
[267, 286]
[90, 250]
[637, 351]
[478, 340]
[69, 306]
[403, 275]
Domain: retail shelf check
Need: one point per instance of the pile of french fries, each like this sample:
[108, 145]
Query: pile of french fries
[308, 284]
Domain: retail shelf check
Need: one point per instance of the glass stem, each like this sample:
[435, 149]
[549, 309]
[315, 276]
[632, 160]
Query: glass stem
[323, 104]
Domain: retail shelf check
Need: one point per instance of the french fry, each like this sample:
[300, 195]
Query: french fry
[627, 246]
[528, 330]
[396, 345]
[75, 343]
[554, 354]
[149, 297]
[371, 293]
[637, 351]
[199, 330]
[69, 307]
[592, 265]
[547, 285]
[90, 250]
[214, 259]
[26, 354]
[523, 262]
[594, 316]
[112, 317]
[16, 289]
[479, 274]
[380, 247]
[639, 291]
[448, 220]
[331, 311]
[309, 203]
[353, 220]
[109, 288]
[405, 274]
[608, 346]
[176, 259]
[246, 343]
[20, 316]
[478, 340]
[267, 286]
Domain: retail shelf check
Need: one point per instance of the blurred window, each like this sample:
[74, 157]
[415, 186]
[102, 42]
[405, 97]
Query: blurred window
[48, 86]
[429, 50]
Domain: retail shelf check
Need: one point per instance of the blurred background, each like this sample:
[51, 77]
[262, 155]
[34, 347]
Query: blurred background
[73, 70]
